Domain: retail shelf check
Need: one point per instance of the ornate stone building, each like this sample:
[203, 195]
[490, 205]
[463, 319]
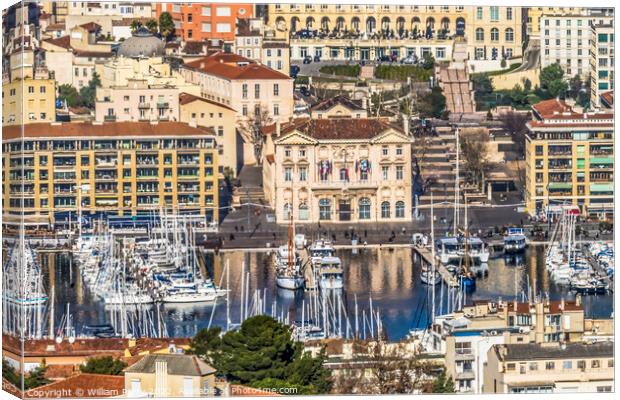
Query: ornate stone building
[340, 170]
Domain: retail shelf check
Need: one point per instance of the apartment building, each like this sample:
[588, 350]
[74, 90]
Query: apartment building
[466, 336]
[339, 170]
[569, 160]
[566, 40]
[199, 111]
[367, 32]
[202, 21]
[251, 43]
[29, 100]
[170, 375]
[601, 62]
[550, 368]
[104, 13]
[118, 168]
[534, 15]
[73, 57]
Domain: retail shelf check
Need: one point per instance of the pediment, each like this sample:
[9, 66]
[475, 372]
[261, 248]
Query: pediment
[295, 137]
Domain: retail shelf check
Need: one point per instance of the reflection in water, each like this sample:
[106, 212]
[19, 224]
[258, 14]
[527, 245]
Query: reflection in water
[390, 277]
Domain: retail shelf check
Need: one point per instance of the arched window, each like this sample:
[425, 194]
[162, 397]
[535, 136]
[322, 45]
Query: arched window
[286, 211]
[294, 24]
[510, 35]
[479, 34]
[371, 24]
[303, 212]
[430, 23]
[325, 23]
[385, 209]
[364, 208]
[445, 23]
[494, 34]
[280, 23]
[340, 24]
[400, 209]
[309, 22]
[400, 24]
[344, 174]
[325, 209]
[385, 23]
[355, 23]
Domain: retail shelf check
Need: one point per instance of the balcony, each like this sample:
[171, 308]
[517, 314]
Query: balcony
[109, 118]
[144, 105]
[163, 105]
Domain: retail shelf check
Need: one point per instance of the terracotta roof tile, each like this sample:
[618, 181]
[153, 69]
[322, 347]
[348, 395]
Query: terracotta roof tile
[338, 128]
[608, 97]
[232, 66]
[193, 47]
[81, 386]
[91, 26]
[106, 129]
[63, 41]
[549, 107]
[333, 101]
[186, 98]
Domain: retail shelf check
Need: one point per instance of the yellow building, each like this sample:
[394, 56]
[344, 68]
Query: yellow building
[550, 368]
[222, 119]
[569, 160]
[170, 375]
[27, 101]
[488, 32]
[534, 14]
[117, 168]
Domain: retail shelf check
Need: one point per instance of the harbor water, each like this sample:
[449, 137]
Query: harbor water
[390, 277]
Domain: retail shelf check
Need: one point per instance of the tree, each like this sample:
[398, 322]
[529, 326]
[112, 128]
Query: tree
[88, 92]
[515, 124]
[103, 365]
[389, 368]
[69, 94]
[152, 26]
[252, 130]
[475, 153]
[166, 25]
[36, 377]
[527, 85]
[135, 25]
[10, 374]
[262, 354]
[552, 81]
[443, 384]
[428, 61]
[579, 90]
[482, 85]
[432, 104]
[518, 95]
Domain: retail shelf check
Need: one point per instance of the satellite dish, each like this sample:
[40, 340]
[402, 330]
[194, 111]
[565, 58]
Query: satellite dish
[59, 339]
[71, 339]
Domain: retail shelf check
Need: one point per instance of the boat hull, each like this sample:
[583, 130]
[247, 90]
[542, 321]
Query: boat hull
[291, 283]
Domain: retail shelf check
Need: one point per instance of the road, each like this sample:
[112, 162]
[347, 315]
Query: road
[531, 57]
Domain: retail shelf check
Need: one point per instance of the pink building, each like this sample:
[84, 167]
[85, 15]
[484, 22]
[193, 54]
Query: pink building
[137, 102]
[242, 84]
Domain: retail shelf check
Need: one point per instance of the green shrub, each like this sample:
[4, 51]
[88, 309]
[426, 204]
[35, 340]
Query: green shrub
[402, 72]
[342, 70]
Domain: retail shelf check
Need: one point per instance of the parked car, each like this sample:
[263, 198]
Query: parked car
[304, 90]
[294, 70]
[384, 59]
[317, 58]
[409, 60]
[307, 60]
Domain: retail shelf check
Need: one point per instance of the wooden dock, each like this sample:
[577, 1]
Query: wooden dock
[425, 254]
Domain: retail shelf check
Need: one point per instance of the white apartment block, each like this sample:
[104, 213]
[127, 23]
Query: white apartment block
[565, 40]
[601, 62]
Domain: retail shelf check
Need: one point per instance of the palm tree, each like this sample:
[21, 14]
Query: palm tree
[166, 25]
[135, 25]
[151, 24]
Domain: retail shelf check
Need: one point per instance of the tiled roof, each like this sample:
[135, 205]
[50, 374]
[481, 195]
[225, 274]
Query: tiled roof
[551, 107]
[333, 101]
[106, 129]
[193, 47]
[81, 386]
[338, 128]
[91, 26]
[177, 364]
[128, 21]
[232, 66]
[186, 98]
[555, 306]
[85, 53]
[608, 98]
[63, 41]
[48, 347]
[534, 351]
[144, 345]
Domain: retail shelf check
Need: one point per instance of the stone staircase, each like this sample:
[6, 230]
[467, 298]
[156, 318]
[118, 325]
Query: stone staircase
[438, 168]
[251, 189]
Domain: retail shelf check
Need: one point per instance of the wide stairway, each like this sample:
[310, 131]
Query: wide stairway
[437, 161]
[251, 189]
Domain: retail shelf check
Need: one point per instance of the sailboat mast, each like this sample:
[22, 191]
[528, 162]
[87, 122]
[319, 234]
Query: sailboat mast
[432, 279]
[466, 241]
[456, 184]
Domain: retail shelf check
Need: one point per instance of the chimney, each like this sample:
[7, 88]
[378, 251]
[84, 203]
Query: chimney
[562, 304]
[578, 300]
[202, 65]
[278, 128]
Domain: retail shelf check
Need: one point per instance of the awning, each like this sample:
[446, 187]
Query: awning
[601, 187]
[601, 160]
[560, 185]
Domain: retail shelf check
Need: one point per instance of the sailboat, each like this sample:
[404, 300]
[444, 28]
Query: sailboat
[288, 264]
[431, 276]
[467, 278]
